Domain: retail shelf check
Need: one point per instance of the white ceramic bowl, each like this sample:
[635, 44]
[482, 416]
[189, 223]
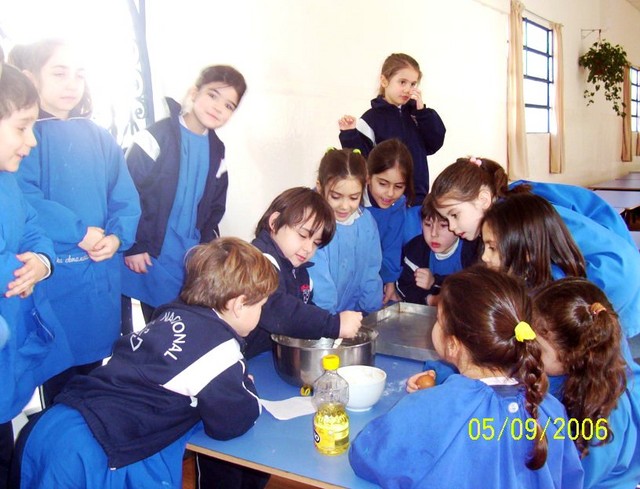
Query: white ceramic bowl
[366, 385]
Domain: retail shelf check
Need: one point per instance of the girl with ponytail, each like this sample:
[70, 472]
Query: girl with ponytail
[591, 371]
[466, 189]
[469, 431]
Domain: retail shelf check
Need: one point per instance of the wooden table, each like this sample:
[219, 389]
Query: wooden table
[285, 448]
[626, 185]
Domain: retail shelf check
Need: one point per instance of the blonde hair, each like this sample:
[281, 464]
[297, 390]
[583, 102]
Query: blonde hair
[224, 269]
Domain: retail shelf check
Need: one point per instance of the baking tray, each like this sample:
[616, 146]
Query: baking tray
[404, 330]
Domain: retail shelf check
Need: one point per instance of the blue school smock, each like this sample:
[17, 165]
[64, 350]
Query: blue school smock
[76, 177]
[412, 223]
[34, 347]
[583, 201]
[617, 463]
[433, 438]
[164, 278]
[62, 452]
[346, 272]
[422, 131]
[390, 223]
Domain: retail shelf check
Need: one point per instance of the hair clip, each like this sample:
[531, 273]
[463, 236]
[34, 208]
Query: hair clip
[357, 151]
[330, 148]
[524, 332]
[476, 161]
[596, 308]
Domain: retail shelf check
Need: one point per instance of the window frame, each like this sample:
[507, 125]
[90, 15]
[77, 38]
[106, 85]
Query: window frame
[549, 80]
[635, 102]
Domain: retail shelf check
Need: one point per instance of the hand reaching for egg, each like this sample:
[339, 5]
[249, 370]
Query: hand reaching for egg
[423, 380]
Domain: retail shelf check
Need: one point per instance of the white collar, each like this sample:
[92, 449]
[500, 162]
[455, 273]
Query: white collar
[352, 218]
[499, 380]
[447, 254]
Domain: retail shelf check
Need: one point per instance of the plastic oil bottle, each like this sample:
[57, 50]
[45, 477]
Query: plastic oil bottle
[331, 422]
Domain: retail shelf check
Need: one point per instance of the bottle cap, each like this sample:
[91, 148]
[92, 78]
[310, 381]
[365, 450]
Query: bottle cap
[330, 362]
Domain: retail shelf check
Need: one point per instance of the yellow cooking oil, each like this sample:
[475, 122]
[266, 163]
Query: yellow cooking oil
[331, 429]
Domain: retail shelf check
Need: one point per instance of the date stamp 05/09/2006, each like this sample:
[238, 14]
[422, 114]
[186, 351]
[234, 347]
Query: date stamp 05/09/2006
[491, 429]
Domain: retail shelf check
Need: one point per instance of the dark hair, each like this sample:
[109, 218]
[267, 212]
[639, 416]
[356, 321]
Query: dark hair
[531, 236]
[428, 210]
[224, 74]
[481, 308]
[294, 207]
[16, 91]
[389, 154]
[464, 179]
[396, 62]
[36, 55]
[576, 317]
[18, 56]
[224, 269]
[338, 164]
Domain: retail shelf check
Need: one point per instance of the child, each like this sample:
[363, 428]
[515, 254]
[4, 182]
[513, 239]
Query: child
[346, 272]
[452, 435]
[582, 354]
[465, 190]
[524, 235]
[389, 186]
[33, 346]
[398, 112]
[296, 224]
[178, 167]
[78, 182]
[431, 256]
[127, 423]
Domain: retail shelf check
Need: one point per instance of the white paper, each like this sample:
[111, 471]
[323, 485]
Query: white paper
[289, 408]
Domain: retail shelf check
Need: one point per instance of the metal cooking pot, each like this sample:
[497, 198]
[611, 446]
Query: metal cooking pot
[299, 362]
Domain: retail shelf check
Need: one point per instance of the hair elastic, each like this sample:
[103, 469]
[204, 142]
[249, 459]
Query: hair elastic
[357, 151]
[475, 161]
[524, 332]
[596, 308]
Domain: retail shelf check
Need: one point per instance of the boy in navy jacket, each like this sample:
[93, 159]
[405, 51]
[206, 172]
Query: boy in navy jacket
[127, 423]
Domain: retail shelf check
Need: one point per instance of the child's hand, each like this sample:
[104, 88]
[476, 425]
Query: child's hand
[138, 263]
[105, 248]
[424, 278]
[412, 382]
[350, 322]
[432, 300]
[91, 238]
[390, 293]
[347, 122]
[27, 275]
[416, 94]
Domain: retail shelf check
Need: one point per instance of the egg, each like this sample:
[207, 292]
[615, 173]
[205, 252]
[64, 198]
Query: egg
[426, 380]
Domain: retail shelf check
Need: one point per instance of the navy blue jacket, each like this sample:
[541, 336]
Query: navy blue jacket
[154, 164]
[289, 311]
[185, 366]
[421, 130]
[418, 253]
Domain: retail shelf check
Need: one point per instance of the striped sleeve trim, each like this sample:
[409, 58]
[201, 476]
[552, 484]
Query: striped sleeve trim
[365, 129]
[148, 144]
[196, 376]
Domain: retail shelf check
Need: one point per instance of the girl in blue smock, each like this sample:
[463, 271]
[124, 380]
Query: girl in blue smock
[592, 373]
[77, 180]
[33, 345]
[389, 185]
[467, 188]
[482, 427]
[178, 167]
[346, 272]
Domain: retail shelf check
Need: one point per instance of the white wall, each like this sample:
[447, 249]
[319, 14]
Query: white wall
[308, 62]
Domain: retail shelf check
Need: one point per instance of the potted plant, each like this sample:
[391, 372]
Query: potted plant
[605, 64]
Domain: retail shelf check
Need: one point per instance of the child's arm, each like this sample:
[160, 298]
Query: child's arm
[351, 135]
[138, 263]
[209, 221]
[123, 203]
[371, 292]
[431, 129]
[33, 270]
[325, 291]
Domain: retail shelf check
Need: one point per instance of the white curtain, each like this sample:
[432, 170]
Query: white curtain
[626, 120]
[556, 138]
[517, 164]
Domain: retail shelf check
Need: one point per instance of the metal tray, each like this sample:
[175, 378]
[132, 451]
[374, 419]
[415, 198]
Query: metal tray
[404, 330]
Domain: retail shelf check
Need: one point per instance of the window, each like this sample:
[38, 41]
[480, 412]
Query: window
[634, 78]
[538, 76]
